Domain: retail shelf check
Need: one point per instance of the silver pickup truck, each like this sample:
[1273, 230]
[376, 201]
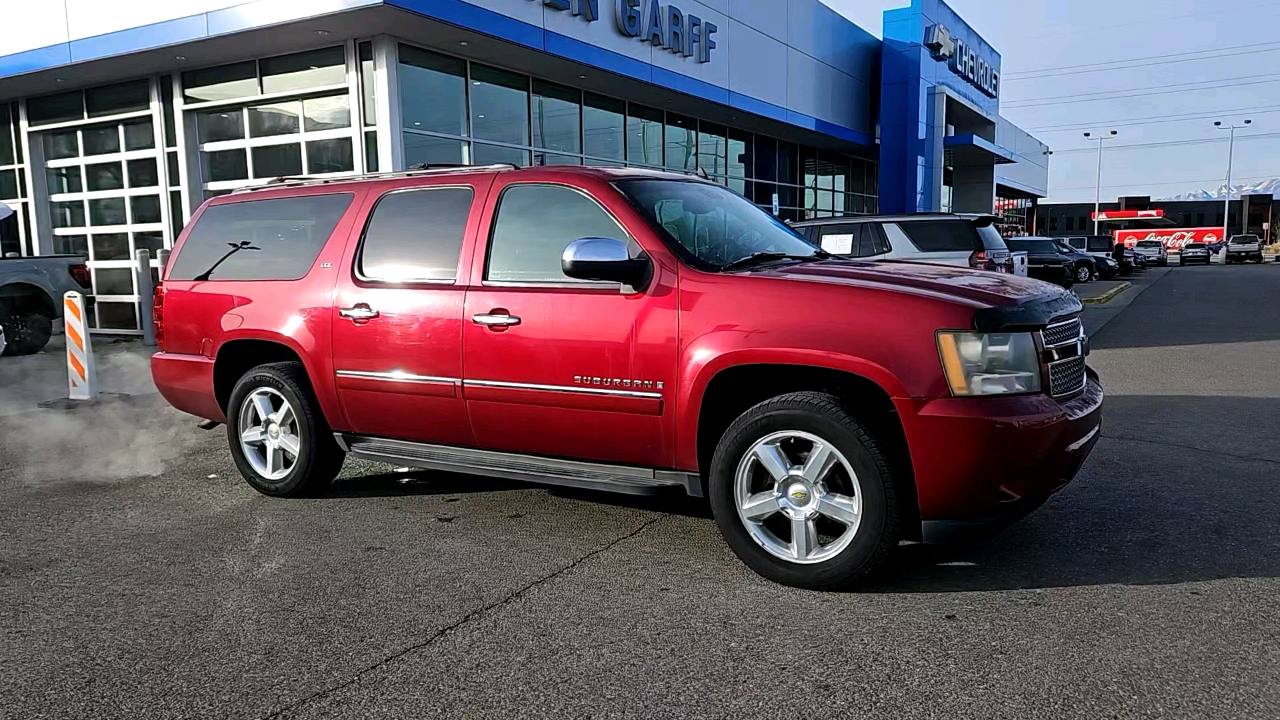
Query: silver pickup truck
[1243, 248]
[31, 291]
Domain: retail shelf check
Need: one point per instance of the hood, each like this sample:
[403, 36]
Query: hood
[978, 287]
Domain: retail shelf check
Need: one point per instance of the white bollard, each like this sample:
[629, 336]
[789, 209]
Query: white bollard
[81, 372]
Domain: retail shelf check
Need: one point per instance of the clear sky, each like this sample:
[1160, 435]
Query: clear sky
[1164, 62]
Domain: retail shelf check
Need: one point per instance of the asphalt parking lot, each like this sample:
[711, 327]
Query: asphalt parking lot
[141, 578]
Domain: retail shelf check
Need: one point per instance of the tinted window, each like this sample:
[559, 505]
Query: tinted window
[535, 223]
[991, 239]
[841, 239]
[416, 235]
[1099, 244]
[275, 239]
[943, 235]
[1195, 246]
[879, 242]
[1033, 246]
[1150, 243]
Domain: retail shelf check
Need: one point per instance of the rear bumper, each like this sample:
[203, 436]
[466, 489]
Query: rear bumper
[982, 462]
[186, 381]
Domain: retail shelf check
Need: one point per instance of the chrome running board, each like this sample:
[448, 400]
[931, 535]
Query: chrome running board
[528, 468]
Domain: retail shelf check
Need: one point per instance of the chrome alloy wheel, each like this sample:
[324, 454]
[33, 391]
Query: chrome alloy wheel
[797, 486]
[269, 433]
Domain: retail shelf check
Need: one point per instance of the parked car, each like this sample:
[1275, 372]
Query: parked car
[1193, 253]
[961, 240]
[630, 331]
[1086, 266]
[1153, 251]
[31, 290]
[1216, 247]
[1243, 248]
[1047, 260]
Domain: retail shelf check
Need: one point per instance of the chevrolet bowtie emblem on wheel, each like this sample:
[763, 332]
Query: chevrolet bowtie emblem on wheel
[799, 494]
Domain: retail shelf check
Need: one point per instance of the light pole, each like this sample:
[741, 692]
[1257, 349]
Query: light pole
[1097, 191]
[1231, 152]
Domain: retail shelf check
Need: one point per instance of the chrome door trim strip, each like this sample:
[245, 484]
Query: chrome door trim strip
[562, 388]
[397, 376]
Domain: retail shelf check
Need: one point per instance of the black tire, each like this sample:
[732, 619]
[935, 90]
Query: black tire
[1084, 273]
[319, 458]
[825, 416]
[1164, 262]
[27, 327]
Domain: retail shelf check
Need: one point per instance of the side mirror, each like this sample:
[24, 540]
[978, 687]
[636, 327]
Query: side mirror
[606, 260]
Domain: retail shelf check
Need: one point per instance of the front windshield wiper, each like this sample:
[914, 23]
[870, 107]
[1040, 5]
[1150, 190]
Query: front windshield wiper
[761, 258]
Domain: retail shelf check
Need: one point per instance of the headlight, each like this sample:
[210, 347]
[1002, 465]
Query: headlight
[989, 363]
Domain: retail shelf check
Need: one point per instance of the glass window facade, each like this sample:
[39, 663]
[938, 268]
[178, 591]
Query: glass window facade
[459, 112]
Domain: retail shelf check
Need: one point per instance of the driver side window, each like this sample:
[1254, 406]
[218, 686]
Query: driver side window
[533, 226]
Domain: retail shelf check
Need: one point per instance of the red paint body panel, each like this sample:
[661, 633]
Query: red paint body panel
[186, 381]
[591, 373]
[569, 332]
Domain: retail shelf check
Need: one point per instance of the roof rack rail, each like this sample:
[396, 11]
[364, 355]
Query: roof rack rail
[415, 171]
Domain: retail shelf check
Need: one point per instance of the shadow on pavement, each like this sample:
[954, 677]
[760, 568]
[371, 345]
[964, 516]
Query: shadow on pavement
[1199, 306]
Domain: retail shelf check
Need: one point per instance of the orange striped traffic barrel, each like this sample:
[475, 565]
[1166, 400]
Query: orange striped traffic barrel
[81, 373]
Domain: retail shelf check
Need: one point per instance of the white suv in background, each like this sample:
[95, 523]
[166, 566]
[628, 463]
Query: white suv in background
[963, 240]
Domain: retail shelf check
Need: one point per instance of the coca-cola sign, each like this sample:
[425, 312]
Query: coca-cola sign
[1174, 239]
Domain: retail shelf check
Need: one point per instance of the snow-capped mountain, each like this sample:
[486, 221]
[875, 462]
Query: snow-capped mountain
[1220, 193]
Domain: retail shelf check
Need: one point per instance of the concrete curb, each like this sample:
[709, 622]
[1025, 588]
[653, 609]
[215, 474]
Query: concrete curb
[1109, 295]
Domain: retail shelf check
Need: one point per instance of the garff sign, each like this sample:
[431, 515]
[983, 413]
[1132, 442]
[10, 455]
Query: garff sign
[663, 26]
[962, 60]
[1172, 239]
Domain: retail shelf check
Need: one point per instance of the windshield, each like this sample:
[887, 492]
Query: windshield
[1194, 246]
[715, 226]
[1149, 243]
[1244, 239]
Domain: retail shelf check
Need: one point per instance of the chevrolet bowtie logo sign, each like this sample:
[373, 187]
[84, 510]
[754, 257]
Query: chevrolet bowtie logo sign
[939, 42]
[962, 59]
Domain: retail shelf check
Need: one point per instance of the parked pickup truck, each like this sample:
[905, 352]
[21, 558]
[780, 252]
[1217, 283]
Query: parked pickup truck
[631, 331]
[1243, 248]
[31, 291]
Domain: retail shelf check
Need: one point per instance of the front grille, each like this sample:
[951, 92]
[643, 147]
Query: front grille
[1066, 377]
[1062, 333]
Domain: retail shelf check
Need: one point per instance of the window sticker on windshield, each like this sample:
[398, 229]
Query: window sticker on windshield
[838, 244]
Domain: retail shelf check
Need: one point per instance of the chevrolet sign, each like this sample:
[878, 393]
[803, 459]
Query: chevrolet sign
[962, 60]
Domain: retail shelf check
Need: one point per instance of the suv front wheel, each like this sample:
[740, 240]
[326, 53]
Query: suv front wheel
[1084, 272]
[804, 493]
[279, 438]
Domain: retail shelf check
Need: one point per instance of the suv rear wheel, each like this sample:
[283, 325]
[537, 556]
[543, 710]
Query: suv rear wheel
[279, 438]
[804, 493]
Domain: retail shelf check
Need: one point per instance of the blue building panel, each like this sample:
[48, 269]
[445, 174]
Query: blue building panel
[933, 64]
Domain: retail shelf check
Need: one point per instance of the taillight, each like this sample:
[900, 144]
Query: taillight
[80, 273]
[978, 259]
[157, 313]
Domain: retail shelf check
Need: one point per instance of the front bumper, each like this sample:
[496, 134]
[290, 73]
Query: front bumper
[981, 462]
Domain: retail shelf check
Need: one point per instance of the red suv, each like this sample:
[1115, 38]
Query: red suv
[630, 331]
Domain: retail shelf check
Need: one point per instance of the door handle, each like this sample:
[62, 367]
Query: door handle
[496, 319]
[360, 313]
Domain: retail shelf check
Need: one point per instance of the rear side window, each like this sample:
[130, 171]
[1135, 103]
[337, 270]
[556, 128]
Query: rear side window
[277, 239]
[535, 223]
[1099, 244]
[854, 240]
[991, 239]
[416, 235]
[943, 235]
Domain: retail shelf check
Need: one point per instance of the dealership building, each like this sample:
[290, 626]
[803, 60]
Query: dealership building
[118, 119]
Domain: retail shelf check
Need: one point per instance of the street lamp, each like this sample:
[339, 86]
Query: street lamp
[1231, 151]
[1097, 192]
